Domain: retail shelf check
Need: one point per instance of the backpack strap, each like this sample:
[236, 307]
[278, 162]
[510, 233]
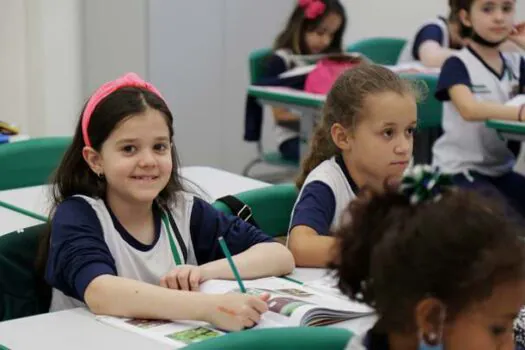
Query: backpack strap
[239, 208]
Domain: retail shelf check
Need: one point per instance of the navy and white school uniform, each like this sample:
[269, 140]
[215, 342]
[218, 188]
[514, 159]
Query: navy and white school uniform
[287, 133]
[87, 241]
[326, 193]
[476, 155]
[433, 30]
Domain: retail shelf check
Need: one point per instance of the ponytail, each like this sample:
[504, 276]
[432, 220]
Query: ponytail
[322, 148]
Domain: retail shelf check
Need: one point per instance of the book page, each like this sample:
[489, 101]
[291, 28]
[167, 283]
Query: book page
[516, 101]
[177, 334]
[291, 304]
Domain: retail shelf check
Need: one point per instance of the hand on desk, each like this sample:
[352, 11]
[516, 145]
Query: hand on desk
[184, 277]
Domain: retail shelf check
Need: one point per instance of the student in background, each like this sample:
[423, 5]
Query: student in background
[474, 86]
[365, 136]
[442, 267]
[315, 27]
[435, 41]
[126, 240]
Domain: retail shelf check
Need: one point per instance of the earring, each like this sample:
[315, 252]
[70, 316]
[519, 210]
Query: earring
[100, 176]
[433, 339]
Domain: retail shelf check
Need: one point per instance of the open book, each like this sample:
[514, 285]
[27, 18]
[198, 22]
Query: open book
[312, 59]
[517, 100]
[290, 304]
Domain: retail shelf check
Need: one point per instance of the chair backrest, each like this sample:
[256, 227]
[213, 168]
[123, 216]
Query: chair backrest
[381, 50]
[304, 338]
[430, 110]
[271, 207]
[22, 291]
[257, 59]
[30, 162]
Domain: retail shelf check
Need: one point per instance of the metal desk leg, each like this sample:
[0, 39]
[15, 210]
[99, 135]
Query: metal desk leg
[306, 131]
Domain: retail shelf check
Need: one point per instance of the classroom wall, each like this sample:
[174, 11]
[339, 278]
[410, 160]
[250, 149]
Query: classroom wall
[198, 59]
[114, 40]
[40, 64]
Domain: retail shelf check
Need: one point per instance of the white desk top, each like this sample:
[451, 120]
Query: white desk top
[209, 183]
[11, 221]
[77, 329]
[72, 329]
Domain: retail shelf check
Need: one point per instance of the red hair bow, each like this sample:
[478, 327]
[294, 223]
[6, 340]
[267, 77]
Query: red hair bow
[312, 8]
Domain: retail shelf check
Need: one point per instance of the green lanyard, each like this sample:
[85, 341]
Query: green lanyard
[173, 246]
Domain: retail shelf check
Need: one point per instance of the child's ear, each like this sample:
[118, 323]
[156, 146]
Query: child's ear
[430, 317]
[341, 136]
[464, 18]
[93, 159]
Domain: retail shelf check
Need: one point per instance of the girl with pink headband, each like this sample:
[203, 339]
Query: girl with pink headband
[127, 240]
[315, 27]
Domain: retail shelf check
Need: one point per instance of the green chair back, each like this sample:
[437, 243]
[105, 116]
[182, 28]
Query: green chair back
[271, 207]
[22, 291]
[30, 162]
[429, 110]
[304, 338]
[256, 60]
[381, 50]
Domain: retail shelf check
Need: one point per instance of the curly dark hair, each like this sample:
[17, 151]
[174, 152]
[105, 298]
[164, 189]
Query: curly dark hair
[394, 254]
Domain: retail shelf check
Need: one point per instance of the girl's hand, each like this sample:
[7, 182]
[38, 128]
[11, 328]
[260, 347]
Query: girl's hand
[234, 312]
[517, 35]
[184, 277]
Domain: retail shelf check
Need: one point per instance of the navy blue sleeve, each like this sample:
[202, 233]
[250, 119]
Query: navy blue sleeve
[315, 208]
[77, 253]
[207, 224]
[522, 75]
[274, 66]
[452, 73]
[431, 32]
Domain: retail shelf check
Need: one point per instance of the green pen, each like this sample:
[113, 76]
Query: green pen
[228, 256]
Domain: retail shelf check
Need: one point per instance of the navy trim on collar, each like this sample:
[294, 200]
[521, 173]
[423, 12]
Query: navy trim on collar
[503, 71]
[340, 161]
[132, 241]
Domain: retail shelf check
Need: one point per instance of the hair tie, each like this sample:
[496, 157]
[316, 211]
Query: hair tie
[312, 8]
[423, 183]
[127, 80]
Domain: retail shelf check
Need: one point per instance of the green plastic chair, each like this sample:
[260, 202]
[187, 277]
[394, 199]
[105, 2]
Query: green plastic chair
[256, 62]
[23, 292]
[271, 207]
[30, 162]
[304, 338]
[380, 50]
[429, 112]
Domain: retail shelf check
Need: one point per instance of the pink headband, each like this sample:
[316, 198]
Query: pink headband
[312, 8]
[127, 80]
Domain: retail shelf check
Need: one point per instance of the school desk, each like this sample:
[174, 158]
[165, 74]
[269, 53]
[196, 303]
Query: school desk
[78, 329]
[307, 104]
[207, 182]
[11, 221]
[510, 130]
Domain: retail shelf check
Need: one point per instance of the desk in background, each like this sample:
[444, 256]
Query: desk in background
[309, 105]
[508, 129]
[208, 183]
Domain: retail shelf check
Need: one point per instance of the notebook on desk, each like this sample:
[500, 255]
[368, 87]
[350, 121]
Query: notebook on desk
[290, 305]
